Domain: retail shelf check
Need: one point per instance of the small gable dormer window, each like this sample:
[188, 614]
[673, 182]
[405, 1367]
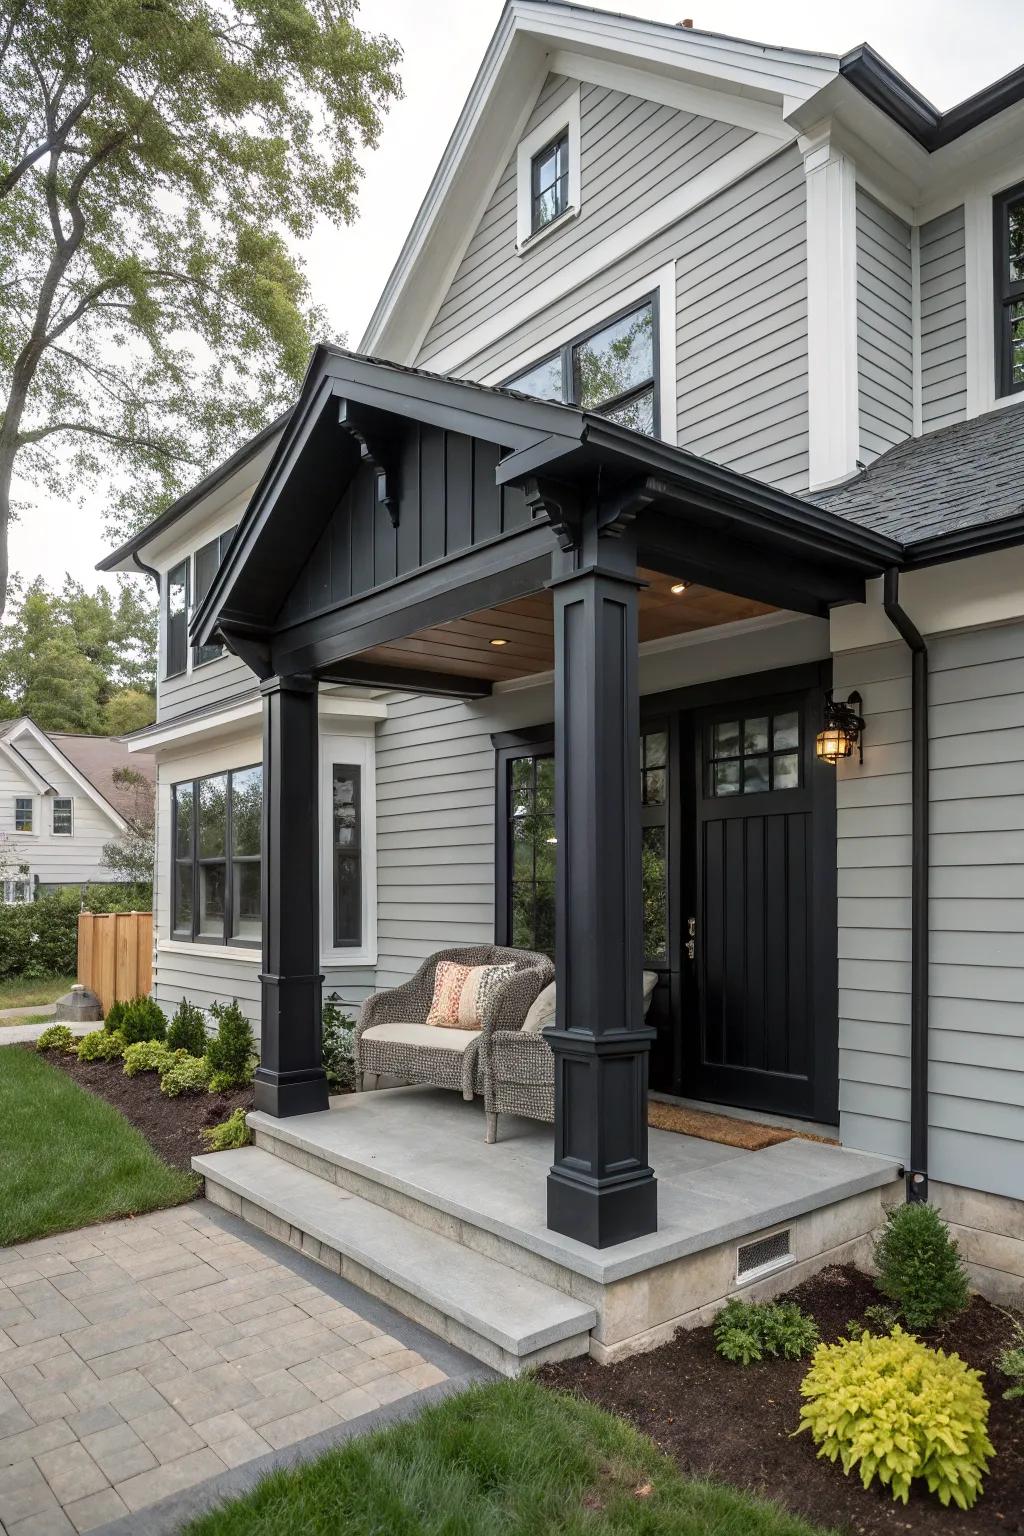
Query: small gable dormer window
[549, 175]
[1008, 225]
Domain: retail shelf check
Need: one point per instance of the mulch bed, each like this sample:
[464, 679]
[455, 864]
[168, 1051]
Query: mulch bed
[171, 1126]
[734, 1425]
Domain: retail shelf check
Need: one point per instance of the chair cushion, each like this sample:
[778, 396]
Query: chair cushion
[542, 1012]
[462, 992]
[423, 1035]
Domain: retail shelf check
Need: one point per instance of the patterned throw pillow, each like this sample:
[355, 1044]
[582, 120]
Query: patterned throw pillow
[462, 992]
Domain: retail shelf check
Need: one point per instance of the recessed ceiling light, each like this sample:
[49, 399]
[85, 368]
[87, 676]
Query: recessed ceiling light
[497, 641]
[678, 588]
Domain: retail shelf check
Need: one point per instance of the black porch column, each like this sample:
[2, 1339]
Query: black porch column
[290, 1079]
[601, 1189]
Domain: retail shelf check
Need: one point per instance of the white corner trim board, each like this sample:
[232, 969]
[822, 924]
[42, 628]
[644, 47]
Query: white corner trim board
[832, 386]
[564, 117]
[661, 281]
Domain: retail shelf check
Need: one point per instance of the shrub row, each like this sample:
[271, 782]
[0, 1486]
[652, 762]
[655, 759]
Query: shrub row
[40, 938]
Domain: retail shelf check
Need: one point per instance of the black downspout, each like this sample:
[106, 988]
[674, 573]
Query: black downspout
[917, 1173]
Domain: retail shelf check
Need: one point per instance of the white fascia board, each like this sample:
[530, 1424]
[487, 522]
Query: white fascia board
[974, 593]
[498, 106]
[227, 721]
[598, 257]
[27, 728]
[22, 766]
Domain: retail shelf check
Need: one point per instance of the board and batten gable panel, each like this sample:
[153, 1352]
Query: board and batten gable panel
[943, 281]
[885, 354]
[976, 908]
[633, 154]
[741, 314]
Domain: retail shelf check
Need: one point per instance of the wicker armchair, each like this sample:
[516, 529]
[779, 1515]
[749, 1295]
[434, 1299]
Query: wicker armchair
[519, 1070]
[393, 1037]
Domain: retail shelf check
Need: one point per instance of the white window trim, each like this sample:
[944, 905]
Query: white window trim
[33, 830]
[566, 116]
[662, 280]
[342, 747]
[53, 808]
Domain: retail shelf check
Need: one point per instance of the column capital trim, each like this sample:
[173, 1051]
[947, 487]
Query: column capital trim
[293, 682]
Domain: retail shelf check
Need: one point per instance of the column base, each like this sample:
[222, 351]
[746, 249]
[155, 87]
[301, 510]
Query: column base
[603, 1213]
[291, 1093]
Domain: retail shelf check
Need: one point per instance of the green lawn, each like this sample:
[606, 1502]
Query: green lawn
[67, 1158]
[506, 1460]
[16, 992]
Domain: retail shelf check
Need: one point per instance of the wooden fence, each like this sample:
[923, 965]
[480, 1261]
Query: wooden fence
[115, 954]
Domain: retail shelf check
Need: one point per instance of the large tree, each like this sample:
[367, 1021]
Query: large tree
[79, 661]
[158, 161]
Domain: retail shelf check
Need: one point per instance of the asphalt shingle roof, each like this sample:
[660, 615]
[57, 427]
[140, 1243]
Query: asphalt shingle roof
[959, 477]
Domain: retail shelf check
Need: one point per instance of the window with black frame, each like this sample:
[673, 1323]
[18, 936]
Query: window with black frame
[533, 848]
[549, 182]
[1008, 227]
[346, 854]
[610, 370]
[217, 837]
[208, 561]
[176, 620]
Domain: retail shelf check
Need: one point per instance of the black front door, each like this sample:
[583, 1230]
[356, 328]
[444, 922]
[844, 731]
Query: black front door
[757, 971]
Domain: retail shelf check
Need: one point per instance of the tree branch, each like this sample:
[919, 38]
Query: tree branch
[124, 439]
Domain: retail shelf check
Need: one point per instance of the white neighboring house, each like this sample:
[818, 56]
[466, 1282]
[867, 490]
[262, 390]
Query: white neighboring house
[60, 806]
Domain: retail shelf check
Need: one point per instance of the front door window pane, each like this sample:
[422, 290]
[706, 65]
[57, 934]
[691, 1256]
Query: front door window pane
[655, 892]
[754, 755]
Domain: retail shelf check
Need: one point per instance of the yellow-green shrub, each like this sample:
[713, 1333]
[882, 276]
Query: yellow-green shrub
[57, 1038]
[101, 1046]
[146, 1056]
[897, 1410]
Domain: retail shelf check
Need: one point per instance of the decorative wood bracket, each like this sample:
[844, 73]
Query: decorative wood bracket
[250, 646]
[618, 514]
[562, 505]
[376, 451]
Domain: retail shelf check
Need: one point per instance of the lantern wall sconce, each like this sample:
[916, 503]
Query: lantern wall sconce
[843, 731]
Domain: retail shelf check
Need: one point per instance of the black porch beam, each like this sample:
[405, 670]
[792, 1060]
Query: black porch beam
[290, 1079]
[364, 674]
[601, 1188]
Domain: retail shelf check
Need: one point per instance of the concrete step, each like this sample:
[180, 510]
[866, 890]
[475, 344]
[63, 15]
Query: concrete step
[505, 1319]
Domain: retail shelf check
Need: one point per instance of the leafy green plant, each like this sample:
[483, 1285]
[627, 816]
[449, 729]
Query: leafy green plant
[186, 1074]
[101, 1046]
[232, 1132]
[146, 1056]
[897, 1410]
[920, 1267]
[40, 938]
[1011, 1362]
[187, 1030]
[338, 1045]
[231, 1051]
[57, 1038]
[143, 1020]
[746, 1331]
[878, 1319]
[115, 1017]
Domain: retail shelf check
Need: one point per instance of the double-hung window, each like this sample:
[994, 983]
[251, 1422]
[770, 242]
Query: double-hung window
[23, 813]
[63, 816]
[549, 182]
[611, 370]
[176, 620]
[1008, 225]
[208, 562]
[217, 830]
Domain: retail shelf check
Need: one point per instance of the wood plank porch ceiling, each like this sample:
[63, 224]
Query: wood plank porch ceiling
[463, 647]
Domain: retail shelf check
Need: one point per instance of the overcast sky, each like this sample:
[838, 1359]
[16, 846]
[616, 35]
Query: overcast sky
[947, 48]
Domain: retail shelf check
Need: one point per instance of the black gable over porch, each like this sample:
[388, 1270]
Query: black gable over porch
[405, 522]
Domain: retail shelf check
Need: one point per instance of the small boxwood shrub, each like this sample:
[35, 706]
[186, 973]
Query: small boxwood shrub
[143, 1019]
[746, 1331]
[920, 1267]
[101, 1046]
[187, 1030]
[146, 1056]
[186, 1074]
[232, 1132]
[231, 1051]
[338, 1045]
[897, 1410]
[56, 1038]
[115, 1017]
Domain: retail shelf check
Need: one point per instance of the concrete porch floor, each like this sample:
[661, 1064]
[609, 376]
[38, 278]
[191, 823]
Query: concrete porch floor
[397, 1191]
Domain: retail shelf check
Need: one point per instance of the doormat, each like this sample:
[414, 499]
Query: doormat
[748, 1134]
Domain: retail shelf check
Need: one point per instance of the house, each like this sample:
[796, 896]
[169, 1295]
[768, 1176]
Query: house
[62, 800]
[670, 512]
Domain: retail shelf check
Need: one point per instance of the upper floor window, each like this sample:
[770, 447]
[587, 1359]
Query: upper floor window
[63, 816]
[1008, 224]
[208, 562]
[176, 619]
[23, 813]
[611, 370]
[549, 182]
[217, 837]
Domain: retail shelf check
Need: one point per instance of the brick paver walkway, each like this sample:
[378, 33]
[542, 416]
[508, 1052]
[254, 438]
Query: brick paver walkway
[139, 1358]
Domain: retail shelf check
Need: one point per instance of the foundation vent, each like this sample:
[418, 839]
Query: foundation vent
[764, 1256]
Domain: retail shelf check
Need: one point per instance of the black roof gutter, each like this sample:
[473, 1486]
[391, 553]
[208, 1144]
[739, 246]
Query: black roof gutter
[898, 99]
